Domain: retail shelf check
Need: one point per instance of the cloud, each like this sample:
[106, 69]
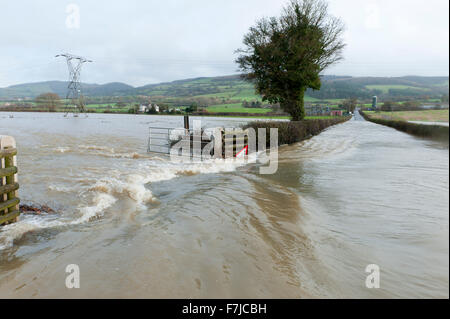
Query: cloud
[141, 42]
[372, 12]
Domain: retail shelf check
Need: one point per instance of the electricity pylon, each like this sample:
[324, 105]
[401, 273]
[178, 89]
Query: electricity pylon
[74, 97]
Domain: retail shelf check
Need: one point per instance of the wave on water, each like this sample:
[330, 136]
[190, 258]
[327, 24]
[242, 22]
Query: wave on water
[27, 223]
[127, 183]
[134, 185]
[102, 151]
[61, 149]
[100, 203]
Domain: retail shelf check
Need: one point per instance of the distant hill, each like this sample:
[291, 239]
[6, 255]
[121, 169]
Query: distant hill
[31, 90]
[233, 88]
[333, 87]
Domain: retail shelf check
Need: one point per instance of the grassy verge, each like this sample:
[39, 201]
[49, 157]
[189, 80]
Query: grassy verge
[428, 131]
[422, 115]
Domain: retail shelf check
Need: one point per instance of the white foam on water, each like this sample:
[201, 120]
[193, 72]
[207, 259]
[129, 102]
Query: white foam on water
[103, 151]
[100, 203]
[29, 223]
[61, 188]
[62, 149]
[96, 148]
[26, 223]
[107, 191]
[132, 186]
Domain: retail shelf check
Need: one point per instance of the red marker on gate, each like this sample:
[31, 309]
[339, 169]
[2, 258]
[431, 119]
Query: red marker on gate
[242, 152]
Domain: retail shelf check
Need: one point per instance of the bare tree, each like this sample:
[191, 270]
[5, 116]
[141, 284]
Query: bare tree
[50, 100]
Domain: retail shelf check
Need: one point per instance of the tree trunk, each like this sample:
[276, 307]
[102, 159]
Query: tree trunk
[295, 106]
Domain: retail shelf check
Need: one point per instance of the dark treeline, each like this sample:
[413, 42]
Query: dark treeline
[348, 89]
[342, 90]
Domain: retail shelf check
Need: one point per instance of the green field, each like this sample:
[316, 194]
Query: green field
[423, 116]
[385, 88]
[321, 117]
[235, 108]
[327, 101]
[228, 94]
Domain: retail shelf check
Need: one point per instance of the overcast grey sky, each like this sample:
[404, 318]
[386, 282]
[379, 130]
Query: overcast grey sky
[142, 42]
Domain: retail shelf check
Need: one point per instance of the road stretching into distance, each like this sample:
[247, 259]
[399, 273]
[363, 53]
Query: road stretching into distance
[139, 225]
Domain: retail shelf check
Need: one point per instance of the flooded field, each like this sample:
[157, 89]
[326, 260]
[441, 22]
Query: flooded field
[140, 226]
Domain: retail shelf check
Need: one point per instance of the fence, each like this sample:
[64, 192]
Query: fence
[233, 143]
[159, 140]
[162, 139]
[9, 202]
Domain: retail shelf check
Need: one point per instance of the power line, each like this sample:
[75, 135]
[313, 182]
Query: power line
[74, 95]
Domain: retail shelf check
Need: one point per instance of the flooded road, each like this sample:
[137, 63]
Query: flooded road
[140, 226]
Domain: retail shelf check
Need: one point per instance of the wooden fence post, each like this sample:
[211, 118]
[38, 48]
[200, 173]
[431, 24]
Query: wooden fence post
[9, 202]
[186, 122]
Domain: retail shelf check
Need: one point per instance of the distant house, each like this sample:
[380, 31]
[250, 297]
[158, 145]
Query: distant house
[143, 108]
[336, 112]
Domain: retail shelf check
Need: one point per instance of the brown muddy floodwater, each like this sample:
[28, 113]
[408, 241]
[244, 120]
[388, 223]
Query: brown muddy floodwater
[140, 226]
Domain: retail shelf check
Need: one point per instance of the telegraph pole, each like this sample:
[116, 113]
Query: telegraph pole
[74, 97]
